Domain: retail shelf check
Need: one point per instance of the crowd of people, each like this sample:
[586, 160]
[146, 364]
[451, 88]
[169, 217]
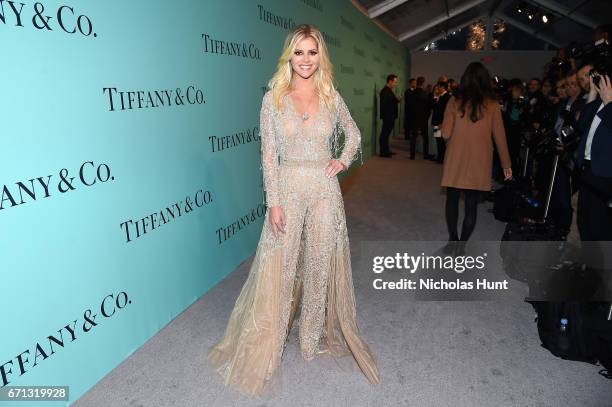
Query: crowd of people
[568, 105]
[422, 102]
[466, 121]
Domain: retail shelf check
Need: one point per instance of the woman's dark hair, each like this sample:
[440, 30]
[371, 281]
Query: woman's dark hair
[474, 90]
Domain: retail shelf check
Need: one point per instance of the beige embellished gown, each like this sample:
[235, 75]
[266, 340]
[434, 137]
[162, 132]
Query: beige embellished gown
[310, 264]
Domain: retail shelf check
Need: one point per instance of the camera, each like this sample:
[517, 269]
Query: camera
[569, 137]
[598, 54]
[596, 75]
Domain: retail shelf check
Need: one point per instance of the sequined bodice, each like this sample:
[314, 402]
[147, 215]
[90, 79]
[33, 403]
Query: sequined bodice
[285, 135]
[303, 139]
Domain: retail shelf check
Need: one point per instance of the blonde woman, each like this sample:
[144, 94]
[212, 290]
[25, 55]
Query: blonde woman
[303, 254]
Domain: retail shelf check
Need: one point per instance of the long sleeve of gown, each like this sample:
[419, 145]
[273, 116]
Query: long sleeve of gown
[352, 135]
[269, 154]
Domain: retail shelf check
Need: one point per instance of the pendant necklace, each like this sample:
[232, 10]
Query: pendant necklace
[306, 116]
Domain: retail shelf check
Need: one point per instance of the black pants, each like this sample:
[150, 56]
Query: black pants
[407, 127]
[594, 216]
[441, 144]
[561, 211]
[385, 132]
[416, 128]
[452, 212]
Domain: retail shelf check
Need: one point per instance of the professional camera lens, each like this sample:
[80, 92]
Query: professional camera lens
[596, 78]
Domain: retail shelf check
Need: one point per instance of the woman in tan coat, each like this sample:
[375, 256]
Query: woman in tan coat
[472, 120]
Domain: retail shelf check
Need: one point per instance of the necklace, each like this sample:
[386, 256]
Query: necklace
[306, 116]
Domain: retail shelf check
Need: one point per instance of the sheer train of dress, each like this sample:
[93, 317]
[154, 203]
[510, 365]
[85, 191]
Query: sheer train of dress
[309, 265]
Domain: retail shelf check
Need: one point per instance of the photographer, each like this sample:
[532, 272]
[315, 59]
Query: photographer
[536, 104]
[561, 210]
[594, 156]
[559, 95]
[515, 112]
[570, 110]
[550, 106]
[559, 65]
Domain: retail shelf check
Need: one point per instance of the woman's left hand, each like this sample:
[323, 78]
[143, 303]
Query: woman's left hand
[333, 168]
[507, 174]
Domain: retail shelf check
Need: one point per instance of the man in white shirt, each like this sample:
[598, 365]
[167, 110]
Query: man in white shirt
[594, 156]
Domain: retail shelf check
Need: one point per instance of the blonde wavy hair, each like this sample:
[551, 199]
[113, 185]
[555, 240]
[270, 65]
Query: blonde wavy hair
[280, 84]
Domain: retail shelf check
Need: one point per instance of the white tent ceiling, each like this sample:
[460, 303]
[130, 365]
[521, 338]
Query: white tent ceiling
[419, 22]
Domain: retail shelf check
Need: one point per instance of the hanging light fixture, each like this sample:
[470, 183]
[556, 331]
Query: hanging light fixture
[476, 36]
[499, 27]
[534, 13]
[521, 8]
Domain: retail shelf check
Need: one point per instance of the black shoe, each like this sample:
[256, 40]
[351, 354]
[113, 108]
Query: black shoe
[449, 248]
[460, 248]
[393, 153]
[386, 155]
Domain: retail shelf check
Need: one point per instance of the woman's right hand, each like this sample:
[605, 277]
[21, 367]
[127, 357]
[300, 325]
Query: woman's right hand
[277, 220]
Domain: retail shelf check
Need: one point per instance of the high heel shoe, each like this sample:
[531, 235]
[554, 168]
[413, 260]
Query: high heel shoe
[450, 247]
[460, 248]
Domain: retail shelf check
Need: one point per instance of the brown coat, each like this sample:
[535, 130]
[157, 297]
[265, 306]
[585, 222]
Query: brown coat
[468, 162]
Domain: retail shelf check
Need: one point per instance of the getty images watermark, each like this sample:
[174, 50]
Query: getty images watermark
[455, 263]
[491, 270]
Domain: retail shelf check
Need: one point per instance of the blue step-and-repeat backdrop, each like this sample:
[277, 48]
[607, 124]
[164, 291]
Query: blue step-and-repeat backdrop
[130, 162]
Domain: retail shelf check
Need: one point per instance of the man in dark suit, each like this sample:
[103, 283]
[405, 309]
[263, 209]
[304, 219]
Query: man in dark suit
[409, 107]
[441, 97]
[565, 182]
[594, 156]
[388, 113]
[534, 115]
[422, 110]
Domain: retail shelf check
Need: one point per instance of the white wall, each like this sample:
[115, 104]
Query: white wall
[507, 64]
